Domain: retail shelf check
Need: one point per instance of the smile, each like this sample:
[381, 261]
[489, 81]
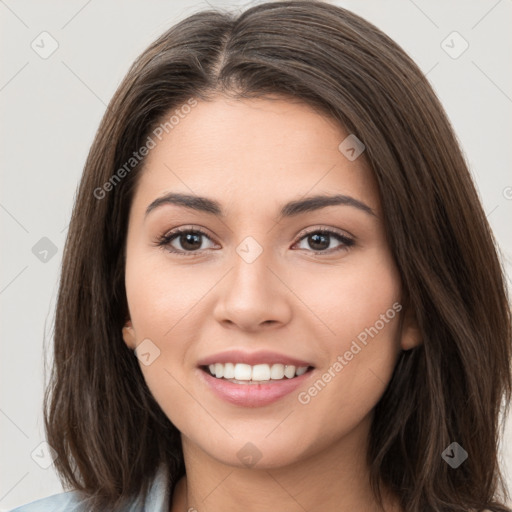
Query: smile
[253, 393]
[252, 374]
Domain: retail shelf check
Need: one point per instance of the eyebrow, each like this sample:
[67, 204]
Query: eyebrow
[290, 209]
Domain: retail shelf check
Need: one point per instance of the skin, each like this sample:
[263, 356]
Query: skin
[253, 156]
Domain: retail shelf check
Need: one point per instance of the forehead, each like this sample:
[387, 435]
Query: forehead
[253, 151]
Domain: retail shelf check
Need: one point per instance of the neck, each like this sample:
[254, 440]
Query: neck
[333, 480]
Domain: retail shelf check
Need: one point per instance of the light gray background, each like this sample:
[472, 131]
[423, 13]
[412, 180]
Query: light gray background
[51, 108]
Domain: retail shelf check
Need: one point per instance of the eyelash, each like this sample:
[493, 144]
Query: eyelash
[165, 240]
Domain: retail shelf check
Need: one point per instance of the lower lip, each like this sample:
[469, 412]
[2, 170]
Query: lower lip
[253, 395]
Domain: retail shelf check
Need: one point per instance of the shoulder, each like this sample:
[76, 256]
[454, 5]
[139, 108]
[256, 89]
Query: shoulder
[157, 500]
[62, 502]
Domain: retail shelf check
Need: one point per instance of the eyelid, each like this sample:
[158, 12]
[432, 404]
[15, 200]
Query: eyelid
[315, 229]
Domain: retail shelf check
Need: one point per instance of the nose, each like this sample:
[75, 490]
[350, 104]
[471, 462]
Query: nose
[253, 296]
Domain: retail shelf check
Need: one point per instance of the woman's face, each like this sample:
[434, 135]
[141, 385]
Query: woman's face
[262, 282]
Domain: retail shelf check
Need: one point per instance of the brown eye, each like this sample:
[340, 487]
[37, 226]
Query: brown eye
[320, 241]
[189, 241]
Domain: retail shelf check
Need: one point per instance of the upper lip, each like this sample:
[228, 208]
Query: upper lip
[252, 358]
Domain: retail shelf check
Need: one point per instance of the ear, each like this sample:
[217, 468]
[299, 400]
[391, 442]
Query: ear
[129, 335]
[410, 332]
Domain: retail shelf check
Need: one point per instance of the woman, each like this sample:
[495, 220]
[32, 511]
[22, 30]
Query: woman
[279, 289]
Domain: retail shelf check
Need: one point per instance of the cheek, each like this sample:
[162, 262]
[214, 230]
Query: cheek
[159, 293]
[161, 298]
[352, 297]
[362, 308]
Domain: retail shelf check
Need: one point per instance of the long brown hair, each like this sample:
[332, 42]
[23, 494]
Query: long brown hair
[108, 431]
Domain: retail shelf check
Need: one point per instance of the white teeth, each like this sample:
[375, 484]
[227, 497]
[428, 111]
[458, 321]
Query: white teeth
[289, 371]
[258, 372]
[229, 371]
[277, 371]
[242, 371]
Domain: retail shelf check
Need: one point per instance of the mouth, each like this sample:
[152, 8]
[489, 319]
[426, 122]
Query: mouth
[253, 379]
[257, 385]
[245, 374]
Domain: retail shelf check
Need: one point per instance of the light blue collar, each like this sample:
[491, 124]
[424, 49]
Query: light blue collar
[157, 500]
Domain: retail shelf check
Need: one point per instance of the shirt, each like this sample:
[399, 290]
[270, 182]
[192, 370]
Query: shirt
[157, 499]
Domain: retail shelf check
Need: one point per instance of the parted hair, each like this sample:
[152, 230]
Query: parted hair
[100, 417]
